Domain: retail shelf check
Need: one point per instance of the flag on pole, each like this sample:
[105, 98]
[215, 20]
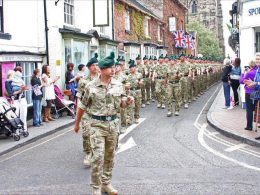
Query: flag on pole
[189, 42]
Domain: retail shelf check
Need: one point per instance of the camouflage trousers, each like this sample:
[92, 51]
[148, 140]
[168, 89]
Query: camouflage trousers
[147, 85]
[85, 133]
[103, 139]
[123, 116]
[184, 89]
[160, 89]
[153, 89]
[133, 111]
[173, 91]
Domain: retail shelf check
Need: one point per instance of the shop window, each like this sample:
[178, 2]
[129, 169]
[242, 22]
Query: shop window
[69, 12]
[257, 42]
[67, 45]
[131, 52]
[1, 17]
[28, 68]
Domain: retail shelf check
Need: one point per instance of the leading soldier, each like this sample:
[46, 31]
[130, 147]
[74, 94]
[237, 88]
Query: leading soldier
[102, 98]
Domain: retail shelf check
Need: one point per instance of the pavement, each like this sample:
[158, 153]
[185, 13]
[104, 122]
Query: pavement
[231, 123]
[8, 144]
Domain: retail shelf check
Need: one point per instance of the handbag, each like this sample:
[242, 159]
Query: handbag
[67, 92]
[255, 95]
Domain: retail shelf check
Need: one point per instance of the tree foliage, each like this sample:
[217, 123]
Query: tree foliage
[208, 43]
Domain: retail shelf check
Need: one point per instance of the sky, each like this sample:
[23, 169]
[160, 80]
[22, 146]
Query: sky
[226, 6]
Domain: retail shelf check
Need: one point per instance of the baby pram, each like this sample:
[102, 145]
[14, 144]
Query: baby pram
[61, 104]
[10, 123]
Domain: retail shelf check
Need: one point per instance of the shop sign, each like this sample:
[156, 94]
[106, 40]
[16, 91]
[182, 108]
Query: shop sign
[254, 11]
[20, 58]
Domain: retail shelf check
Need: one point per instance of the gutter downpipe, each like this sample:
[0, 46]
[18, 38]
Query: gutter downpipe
[46, 31]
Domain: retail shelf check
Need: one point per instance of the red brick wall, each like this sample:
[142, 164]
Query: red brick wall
[172, 9]
[119, 22]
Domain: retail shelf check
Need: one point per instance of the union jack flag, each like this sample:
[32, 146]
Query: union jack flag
[189, 42]
[179, 37]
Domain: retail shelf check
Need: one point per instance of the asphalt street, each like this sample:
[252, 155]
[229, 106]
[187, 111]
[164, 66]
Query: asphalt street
[161, 155]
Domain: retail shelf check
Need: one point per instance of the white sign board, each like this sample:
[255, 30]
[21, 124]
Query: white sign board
[172, 24]
[20, 58]
[100, 13]
[250, 14]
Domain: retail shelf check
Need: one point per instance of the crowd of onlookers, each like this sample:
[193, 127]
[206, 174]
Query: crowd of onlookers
[43, 92]
[232, 78]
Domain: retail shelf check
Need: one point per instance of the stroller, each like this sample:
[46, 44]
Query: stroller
[10, 123]
[61, 104]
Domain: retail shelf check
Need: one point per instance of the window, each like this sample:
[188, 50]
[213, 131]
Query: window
[194, 7]
[146, 27]
[127, 20]
[68, 11]
[131, 52]
[159, 32]
[257, 41]
[1, 17]
[28, 68]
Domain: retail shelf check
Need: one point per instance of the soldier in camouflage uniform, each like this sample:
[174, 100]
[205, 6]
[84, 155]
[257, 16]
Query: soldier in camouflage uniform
[85, 119]
[184, 81]
[160, 74]
[173, 88]
[135, 81]
[103, 98]
[153, 66]
[145, 70]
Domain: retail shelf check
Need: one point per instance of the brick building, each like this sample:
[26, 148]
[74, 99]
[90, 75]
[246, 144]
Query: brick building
[138, 30]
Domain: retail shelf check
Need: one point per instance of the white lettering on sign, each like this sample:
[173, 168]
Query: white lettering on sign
[254, 11]
[20, 58]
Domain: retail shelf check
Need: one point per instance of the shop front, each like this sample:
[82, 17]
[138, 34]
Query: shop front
[28, 61]
[150, 49]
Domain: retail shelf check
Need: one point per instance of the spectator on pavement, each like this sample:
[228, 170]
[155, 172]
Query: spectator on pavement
[255, 83]
[18, 96]
[70, 81]
[234, 79]
[249, 74]
[37, 98]
[226, 83]
[48, 92]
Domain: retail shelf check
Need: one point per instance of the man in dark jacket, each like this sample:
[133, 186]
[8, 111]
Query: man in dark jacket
[226, 83]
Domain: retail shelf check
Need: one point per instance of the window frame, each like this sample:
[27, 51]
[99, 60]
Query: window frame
[69, 4]
[257, 40]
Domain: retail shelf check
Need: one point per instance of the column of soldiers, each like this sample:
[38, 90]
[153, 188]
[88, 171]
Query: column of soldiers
[172, 81]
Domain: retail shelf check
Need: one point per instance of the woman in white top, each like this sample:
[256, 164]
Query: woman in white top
[48, 92]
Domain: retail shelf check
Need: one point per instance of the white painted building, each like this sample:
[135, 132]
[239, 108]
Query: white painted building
[249, 30]
[249, 27]
[71, 35]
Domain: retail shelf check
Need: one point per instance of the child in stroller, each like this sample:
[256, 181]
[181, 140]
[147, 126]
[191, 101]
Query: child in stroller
[61, 104]
[10, 123]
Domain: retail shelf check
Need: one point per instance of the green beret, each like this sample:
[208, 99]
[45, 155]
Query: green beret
[107, 62]
[166, 57]
[131, 63]
[145, 58]
[138, 57]
[161, 56]
[151, 58]
[122, 59]
[154, 58]
[93, 60]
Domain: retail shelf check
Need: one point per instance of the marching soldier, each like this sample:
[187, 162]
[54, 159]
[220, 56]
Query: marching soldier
[173, 88]
[134, 82]
[85, 118]
[153, 66]
[160, 87]
[145, 70]
[103, 97]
